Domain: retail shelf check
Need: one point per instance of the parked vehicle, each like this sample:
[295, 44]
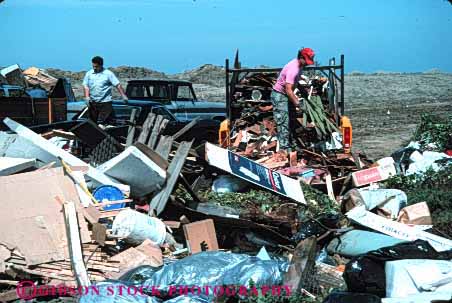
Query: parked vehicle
[178, 96]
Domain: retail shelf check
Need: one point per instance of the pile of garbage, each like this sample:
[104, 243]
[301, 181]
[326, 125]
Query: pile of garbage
[136, 221]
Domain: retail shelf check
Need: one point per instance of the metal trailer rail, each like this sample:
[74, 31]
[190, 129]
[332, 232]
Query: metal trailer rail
[334, 73]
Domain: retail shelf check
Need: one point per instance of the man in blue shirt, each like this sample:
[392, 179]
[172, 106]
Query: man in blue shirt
[97, 84]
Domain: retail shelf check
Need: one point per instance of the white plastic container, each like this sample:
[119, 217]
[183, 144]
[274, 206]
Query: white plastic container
[136, 227]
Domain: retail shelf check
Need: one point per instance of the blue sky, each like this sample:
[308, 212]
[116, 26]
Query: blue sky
[176, 35]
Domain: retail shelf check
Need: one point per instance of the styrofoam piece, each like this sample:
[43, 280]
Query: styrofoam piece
[135, 169]
[408, 277]
[136, 227]
[423, 162]
[9, 166]
[48, 152]
[5, 141]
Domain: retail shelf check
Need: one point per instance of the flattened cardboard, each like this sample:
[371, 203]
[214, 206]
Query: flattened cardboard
[35, 222]
[201, 236]
[418, 214]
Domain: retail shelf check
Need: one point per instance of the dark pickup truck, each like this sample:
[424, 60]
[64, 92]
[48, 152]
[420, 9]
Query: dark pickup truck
[178, 96]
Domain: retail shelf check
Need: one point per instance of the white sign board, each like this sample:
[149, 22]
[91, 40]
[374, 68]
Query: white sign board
[253, 172]
[396, 229]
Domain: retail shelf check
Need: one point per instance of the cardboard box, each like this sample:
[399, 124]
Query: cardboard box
[201, 236]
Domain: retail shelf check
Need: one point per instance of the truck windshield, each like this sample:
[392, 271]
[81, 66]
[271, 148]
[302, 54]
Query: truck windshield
[148, 91]
[184, 93]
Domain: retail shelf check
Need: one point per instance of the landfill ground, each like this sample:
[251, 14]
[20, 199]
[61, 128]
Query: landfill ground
[384, 107]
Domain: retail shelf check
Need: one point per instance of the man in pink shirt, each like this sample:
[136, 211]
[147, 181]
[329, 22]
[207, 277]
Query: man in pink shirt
[283, 92]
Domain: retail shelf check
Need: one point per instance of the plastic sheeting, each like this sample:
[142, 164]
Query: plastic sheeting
[190, 299]
[356, 242]
[366, 273]
[136, 227]
[423, 162]
[229, 184]
[210, 269]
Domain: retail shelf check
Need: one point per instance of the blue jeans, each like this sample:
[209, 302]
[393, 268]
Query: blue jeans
[281, 115]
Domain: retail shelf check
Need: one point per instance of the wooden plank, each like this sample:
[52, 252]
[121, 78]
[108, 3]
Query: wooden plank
[329, 187]
[159, 201]
[12, 295]
[155, 132]
[75, 249]
[99, 233]
[164, 146]
[113, 202]
[91, 214]
[185, 128]
[143, 137]
[36, 272]
[301, 264]
[131, 129]
[111, 213]
[163, 125]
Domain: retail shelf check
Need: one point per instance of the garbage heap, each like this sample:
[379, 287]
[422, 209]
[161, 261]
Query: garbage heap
[151, 219]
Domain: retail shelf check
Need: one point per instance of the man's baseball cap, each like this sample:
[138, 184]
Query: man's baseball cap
[308, 55]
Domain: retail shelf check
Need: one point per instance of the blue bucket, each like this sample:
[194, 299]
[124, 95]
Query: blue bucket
[106, 193]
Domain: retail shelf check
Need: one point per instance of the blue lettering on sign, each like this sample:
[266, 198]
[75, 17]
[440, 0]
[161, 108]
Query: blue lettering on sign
[255, 173]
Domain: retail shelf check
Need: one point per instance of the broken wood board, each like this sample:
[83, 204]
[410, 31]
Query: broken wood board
[201, 236]
[301, 265]
[143, 137]
[145, 254]
[396, 229]
[253, 172]
[132, 128]
[34, 224]
[155, 132]
[75, 249]
[164, 146]
[186, 128]
[159, 201]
